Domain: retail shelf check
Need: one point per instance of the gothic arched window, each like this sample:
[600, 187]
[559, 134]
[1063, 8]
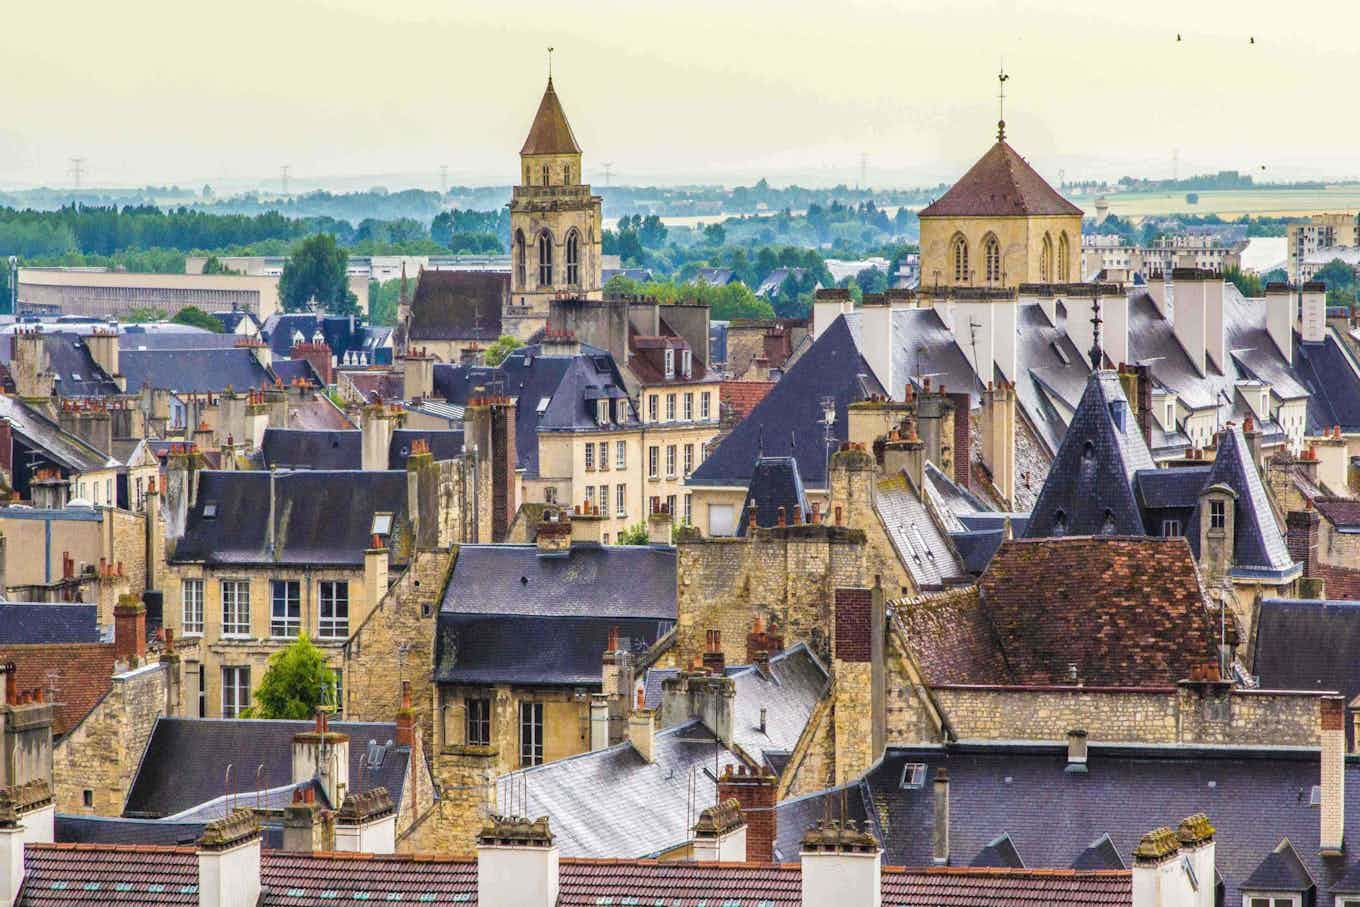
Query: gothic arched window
[1060, 522]
[958, 255]
[1064, 258]
[1046, 260]
[991, 258]
[519, 258]
[573, 258]
[545, 259]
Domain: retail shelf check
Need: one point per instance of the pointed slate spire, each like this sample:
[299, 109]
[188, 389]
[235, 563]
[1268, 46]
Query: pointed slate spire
[550, 132]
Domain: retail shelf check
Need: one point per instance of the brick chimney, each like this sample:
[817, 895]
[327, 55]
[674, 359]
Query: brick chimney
[841, 865]
[659, 523]
[319, 355]
[1332, 839]
[129, 630]
[754, 791]
[517, 863]
[366, 823]
[406, 717]
[229, 861]
[720, 834]
[762, 639]
[715, 662]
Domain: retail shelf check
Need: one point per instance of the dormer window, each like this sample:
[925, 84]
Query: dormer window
[621, 412]
[670, 363]
[687, 362]
[602, 412]
[1060, 523]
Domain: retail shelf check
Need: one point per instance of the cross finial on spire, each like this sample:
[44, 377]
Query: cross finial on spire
[1001, 78]
[1097, 354]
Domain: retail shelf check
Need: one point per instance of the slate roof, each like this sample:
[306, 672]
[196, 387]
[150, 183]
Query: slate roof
[26, 623]
[75, 370]
[68, 875]
[1343, 513]
[533, 650]
[1090, 486]
[134, 339]
[920, 545]
[197, 371]
[788, 696]
[290, 370]
[312, 523]
[1001, 184]
[76, 675]
[602, 581]
[232, 320]
[569, 384]
[1307, 644]
[46, 436]
[301, 448]
[1019, 789]
[1281, 870]
[444, 445]
[80, 829]
[342, 333]
[550, 132]
[459, 305]
[775, 485]
[1328, 371]
[185, 759]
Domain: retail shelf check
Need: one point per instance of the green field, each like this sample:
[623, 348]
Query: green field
[1231, 203]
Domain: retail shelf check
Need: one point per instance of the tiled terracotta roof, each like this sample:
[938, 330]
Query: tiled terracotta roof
[1123, 611]
[742, 396]
[951, 637]
[67, 874]
[385, 385]
[1000, 184]
[550, 133]
[75, 675]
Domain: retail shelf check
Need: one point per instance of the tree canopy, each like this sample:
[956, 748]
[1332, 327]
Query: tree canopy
[505, 344]
[196, 317]
[317, 270]
[295, 684]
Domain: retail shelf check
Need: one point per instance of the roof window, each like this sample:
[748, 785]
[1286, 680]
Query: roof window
[913, 776]
[382, 524]
[210, 510]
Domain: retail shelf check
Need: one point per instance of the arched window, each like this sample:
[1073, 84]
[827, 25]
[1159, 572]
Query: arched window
[991, 258]
[573, 258]
[1107, 527]
[1064, 256]
[1046, 260]
[545, 174]
[1060, 522]
[545, 255]
[519, 258]
[958, 255]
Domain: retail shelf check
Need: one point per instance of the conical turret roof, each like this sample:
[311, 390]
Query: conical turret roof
[550, 133]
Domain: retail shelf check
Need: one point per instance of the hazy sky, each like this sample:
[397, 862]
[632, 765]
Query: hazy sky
[700, 91]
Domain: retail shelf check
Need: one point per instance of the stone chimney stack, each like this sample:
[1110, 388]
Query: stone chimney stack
[517, 863]
[377, 422]
[1333, 811]
[1158, 879]
[30, 366]
[1196, 835]
[418, 374]
[754, 792]
[322, 754]
[553, 535]
[659, 523]
[642, 733]
[229, 861]
[103, 346]
[998, 436]
[1313, 312]
[308, 827]
[49, 490]
[375, 570]
[841, 865]
[367, 823]
[720, 834]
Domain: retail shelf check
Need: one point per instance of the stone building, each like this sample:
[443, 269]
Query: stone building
[1000, 225]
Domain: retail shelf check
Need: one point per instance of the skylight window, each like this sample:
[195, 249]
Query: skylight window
[543, 405]
[210, 510]
[382, 524]
[913, 776]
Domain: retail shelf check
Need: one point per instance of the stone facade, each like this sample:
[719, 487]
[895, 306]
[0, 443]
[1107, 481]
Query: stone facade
[93, 765]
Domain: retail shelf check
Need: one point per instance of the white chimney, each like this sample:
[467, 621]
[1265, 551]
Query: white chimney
[841, 865]
[599, 721]
[1159, 878]
[322, 754]
[1189, 321]
[229, 861]
[720, 834]
[827, 306]
[875, 344]
[26, 817]
[1215, 340]
[1314, 312]
[1197, 846]
[367, 823]
[1332, 712]
[1280, 316]
[517, 863]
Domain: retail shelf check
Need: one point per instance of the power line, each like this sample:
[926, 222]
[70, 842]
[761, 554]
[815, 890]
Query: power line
[77, 170]
[863, 171]
[283, 177]
[608, 168]
[443, 179]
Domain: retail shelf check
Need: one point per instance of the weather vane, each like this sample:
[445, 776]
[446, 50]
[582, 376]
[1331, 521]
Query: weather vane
[550, 53]
[1001, 78]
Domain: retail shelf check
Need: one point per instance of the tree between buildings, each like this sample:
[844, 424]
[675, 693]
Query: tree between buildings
[296, 683]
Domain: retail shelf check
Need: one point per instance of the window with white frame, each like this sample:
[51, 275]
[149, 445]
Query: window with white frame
[653, 455]
[1250, 899]
[670, 363]
[686, 362]
[285, 607]
[621, 500]
[689, 407]
[235, 607]
[703, 405]
[590, 495]
[235, 691]
[191, 601]
[670, 407]
[590, 455]
[604, 454]
[689, 458]
[604, 500]
[334, 595]
[652, 408]
[689, 509]
[1171, 528]
[1217, 515]
[620, 455]
[670, 505]
[670, 461]
[602, 412]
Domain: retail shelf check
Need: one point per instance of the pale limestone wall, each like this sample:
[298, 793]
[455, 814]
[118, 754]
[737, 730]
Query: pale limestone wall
[852, 721]
[1020, 238]
[101, 754]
